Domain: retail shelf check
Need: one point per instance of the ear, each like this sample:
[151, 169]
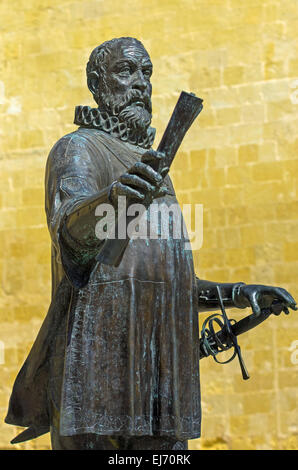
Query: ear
[93, 83]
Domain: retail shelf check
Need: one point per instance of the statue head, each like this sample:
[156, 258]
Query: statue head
[118, 76]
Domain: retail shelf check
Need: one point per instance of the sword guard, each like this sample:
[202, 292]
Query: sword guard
[245, 374]
[213, 343]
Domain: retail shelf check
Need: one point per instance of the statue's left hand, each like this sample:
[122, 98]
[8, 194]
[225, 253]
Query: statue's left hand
[258, 297]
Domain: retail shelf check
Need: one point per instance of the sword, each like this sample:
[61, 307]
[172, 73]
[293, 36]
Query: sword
[212, 343]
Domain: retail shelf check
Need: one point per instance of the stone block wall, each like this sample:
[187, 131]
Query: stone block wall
[239, 160]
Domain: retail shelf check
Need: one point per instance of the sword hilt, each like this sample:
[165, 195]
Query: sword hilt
[244, 371]
[213, 343]
[232, 337]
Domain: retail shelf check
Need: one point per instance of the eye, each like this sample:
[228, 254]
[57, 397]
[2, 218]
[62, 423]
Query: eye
[147, 73]
[125, 70]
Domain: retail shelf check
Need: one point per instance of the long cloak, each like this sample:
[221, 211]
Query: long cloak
[118, 352]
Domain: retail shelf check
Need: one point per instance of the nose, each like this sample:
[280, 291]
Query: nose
[140, 82]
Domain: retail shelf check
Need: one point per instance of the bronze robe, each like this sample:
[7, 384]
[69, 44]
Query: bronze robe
[118, 352]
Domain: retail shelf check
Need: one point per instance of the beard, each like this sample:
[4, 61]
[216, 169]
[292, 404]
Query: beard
[134, 108]
[135, 117]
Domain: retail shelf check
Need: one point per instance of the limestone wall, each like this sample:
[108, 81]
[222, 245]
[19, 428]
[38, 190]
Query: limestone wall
[239, 160]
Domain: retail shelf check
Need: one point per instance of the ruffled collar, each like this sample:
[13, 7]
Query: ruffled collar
[93, 118]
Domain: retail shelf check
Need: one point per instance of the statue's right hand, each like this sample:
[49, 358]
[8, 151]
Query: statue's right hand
[141, 182]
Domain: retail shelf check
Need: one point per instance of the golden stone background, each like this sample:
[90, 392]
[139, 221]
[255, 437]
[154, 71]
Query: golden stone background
[239, 160]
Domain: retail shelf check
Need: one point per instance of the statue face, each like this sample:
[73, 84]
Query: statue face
[125, 89]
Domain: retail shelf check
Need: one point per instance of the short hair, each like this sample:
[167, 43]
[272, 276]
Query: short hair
[98, 57]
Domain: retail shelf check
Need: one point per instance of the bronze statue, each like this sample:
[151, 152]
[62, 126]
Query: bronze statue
[116, 362]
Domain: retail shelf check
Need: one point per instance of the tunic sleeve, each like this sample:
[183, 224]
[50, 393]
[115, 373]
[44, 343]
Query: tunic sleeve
[208, 297]
[73, 177]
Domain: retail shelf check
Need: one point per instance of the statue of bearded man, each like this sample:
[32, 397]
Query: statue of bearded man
[116, 362]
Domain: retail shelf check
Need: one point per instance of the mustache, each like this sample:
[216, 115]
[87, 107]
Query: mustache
[131, 97]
